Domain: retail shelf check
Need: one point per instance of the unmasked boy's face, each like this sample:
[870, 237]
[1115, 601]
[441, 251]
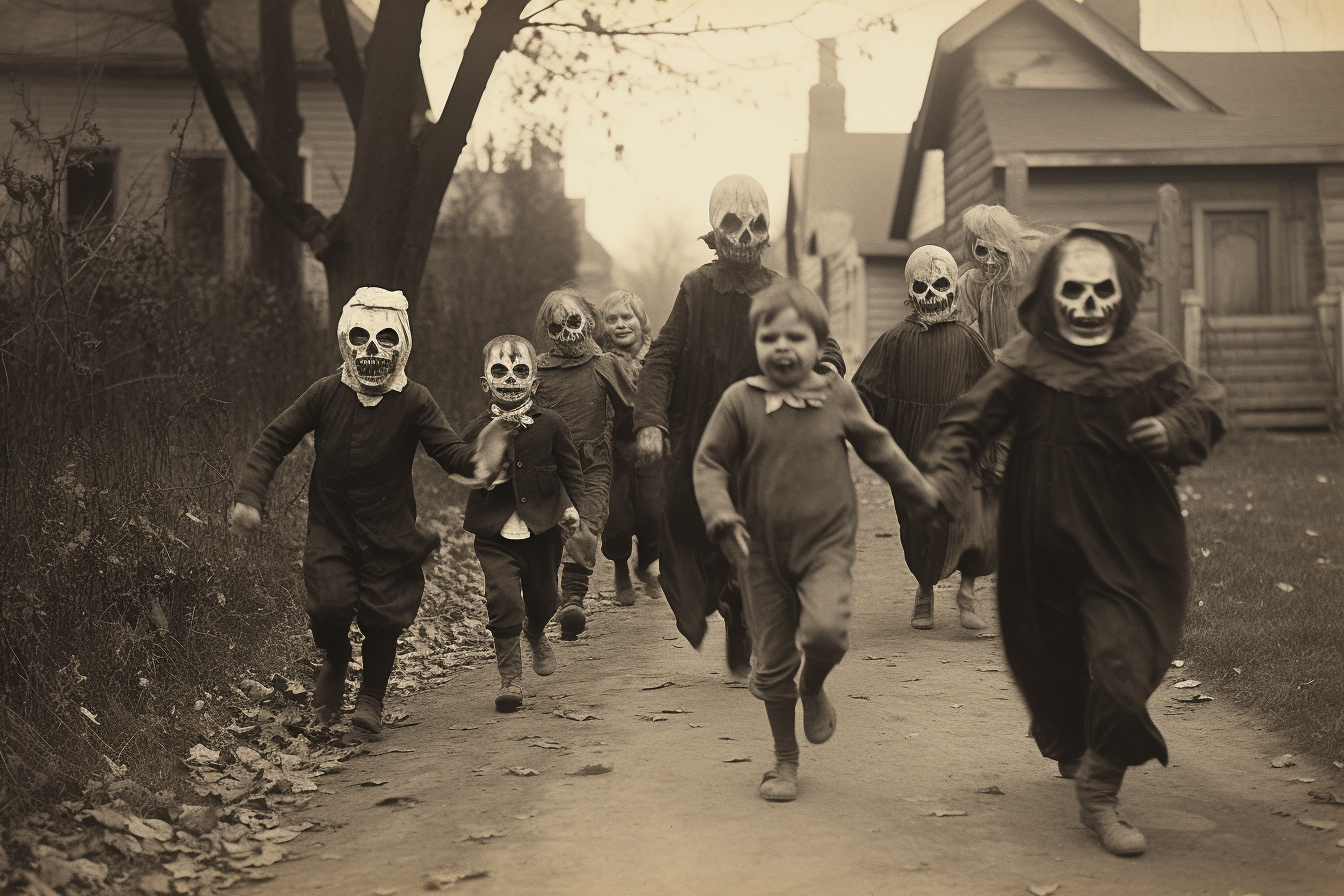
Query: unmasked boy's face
[510, 373]
[786, 348]
[624, 329]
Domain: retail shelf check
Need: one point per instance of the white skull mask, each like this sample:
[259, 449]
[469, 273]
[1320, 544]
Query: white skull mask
[739, 212]
[374, 334]
[568, 325]
[931, 275]
[991, 259]
[1087, 292]
[510, 370]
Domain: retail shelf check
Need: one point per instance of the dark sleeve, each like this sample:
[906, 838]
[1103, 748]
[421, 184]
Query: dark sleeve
[953, 453]
[274, 445]
[830, 353]
[473, 429]
[874, 444]
[567, 465]
[1194, 415]
[660, 366]
[440, 440]
[617, 381]
[715, 463]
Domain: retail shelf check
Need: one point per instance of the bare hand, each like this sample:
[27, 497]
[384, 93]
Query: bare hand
[582, 546]
[244, 518]
[923, 501]
[569, 523]
[492, 448]
[649, 443]
[735, 544]
[1149, 436]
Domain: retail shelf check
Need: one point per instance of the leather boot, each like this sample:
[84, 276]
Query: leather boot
[780, 784]
[923, 615]
[970, 616]
[1097, 784]
[509, 658]
[572, 618]
[368, 714]
[625, 590]
[328, 691]
[543, 656]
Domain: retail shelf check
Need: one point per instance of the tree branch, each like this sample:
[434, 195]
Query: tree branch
[307, 222]
[344, 56]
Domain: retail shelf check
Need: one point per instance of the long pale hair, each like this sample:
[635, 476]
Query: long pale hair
[1004, 230]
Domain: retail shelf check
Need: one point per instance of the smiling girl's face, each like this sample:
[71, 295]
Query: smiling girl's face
[786, 348]
[624, 329]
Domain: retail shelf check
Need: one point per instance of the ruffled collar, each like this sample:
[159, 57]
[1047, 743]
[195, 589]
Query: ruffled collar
[776, 398]
[369, 399]
[1097, 371]
[551, 358]
[726, 280]
[517, 415]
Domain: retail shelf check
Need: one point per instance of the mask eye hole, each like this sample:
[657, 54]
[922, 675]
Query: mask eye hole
[1105, 289]
[388, 338]
[574, 321]
[758, 225]
[1072, 289]
[731, 223]
[359, 336]
[942, 284]
[522, 371]
[920, 287]
[498, 371]
[981, 250]
[554, 329]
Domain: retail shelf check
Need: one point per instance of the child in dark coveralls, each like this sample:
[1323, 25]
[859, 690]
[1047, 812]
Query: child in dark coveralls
[518, 521]
[773, 482]
[363, 554]
[1093, 567]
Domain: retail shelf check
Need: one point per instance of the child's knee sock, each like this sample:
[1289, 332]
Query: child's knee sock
[781, 715]
[813, 676]
[574, 580]
[380, 652]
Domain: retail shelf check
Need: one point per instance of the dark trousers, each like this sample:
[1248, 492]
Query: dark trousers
[634, 513]
[520, 582]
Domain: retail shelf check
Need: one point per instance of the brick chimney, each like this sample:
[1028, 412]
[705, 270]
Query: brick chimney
[1122, 14]
[826, 99]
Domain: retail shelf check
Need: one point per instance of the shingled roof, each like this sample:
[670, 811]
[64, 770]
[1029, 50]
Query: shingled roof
[858, 173]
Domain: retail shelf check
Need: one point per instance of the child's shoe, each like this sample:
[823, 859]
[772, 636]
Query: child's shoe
[649, 579]
[970, 618]
[1098, 788]
[780, 784]
[625, 591]
[572, 618]
[818, 716]
[1068, 768]
[368, 714]
[328, 691]
[509, 658]
[543, 656]
[923, 615]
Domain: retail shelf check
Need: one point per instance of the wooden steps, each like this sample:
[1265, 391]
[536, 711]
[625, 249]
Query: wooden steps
[1273, 367]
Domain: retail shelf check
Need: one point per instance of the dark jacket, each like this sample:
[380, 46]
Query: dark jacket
[546, 477]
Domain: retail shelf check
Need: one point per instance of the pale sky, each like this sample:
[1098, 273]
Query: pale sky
[677, 141]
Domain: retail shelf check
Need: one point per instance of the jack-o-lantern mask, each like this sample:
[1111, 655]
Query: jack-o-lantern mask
[931, 283]
[739, 212]
[374, 334]
[1087, 292]
[510, 371]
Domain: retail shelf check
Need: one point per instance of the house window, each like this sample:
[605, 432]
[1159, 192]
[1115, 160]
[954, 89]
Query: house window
[198, 212]
[90, 190]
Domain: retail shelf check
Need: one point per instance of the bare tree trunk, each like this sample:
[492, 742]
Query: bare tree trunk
[276, 253]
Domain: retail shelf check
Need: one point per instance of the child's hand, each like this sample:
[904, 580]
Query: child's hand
[582, 546]
[1149, 436]
[569, 523]
[923, 501]
[649, 443]
[735, 543]
[492, 448]
[244, 518]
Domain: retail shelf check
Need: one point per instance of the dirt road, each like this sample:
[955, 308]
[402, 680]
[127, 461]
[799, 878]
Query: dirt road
[927, 721]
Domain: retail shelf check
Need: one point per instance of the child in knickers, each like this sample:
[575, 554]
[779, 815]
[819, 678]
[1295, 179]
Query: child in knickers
[634, 488]
[520, 519]
[773, 482]
[363, 553]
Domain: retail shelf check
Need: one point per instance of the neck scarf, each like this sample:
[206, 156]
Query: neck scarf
[517, 415]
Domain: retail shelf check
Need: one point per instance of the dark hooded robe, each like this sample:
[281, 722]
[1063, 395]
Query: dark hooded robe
[911, 375]
[705, 346]
[1093, 567]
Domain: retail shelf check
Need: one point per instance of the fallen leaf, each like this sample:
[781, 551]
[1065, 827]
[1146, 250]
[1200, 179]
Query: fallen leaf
[441, 879]
[1286, 813]
[1284, 761]
[1326, 796]
[395, 801]
[1188, 683]
[675, 712]
[202, 755]
[276, 835]
[946, 813]
[989, 669]
[522, 771]
[651, 717]
[463, 727]
[594, 769]
[1195, 698]
[480, 835]
[655, 687]
[548, 745]
[88, 714]
[874, 657]
[859, 697]
[1337, 764]
[1178, 663]
[956, 705]
[1042, 889]
[694, 725]
[1305, 780]
[1313, 533]
[1283, 586]
[738, 759]
[991, 789]
[574, 715]
[373, 783]
[988, 636]
[1317, 824]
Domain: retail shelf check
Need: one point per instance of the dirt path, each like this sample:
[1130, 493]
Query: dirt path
[926, 720]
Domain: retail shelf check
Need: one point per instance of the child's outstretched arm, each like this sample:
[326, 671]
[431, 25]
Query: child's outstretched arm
[477, 460]
[952, 454]
[715, 463]
[269, 451]
[1183, 434]
[879, 450]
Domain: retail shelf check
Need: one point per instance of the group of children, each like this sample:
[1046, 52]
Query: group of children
[728, 464]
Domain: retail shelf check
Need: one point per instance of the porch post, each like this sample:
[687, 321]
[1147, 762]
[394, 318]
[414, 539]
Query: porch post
[1330, 322]
[1015, 180]
[1193, 303]
[1169, 264]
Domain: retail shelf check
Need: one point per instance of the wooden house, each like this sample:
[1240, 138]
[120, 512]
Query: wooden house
[1052, 108]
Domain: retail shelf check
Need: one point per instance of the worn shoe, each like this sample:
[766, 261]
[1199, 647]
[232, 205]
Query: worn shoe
[818, 716]
[780, 784]
[543, 655]
[368, 714]
[328, 691]
[1069, 768]
[625, 591]
[509, 659]
[649, 579]
[970, 617]
[1097, 785]
[923, 615]
[572, 621]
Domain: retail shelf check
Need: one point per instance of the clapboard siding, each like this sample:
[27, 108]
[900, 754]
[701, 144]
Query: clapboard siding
[968, 160]
[1029, 48]
[1330, 190]
[885, 277]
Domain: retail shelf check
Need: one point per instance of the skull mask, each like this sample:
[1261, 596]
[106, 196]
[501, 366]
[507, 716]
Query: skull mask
[931, 274]
[1087, 292]
[374, 334]
[510, 371]
[991, 259]
[740, 215]
[568, 323]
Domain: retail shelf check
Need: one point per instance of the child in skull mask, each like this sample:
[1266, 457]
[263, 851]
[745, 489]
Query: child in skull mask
[1093, 569]
[518, 519]
[773, 482]
[364, 551]
[634, 488]
[584, 385]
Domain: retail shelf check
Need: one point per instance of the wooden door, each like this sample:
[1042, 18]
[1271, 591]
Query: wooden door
[1236, 258]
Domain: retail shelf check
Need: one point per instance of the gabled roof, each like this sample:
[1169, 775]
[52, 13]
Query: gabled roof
[136, 37]
[857, 173]
[1164, 84]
